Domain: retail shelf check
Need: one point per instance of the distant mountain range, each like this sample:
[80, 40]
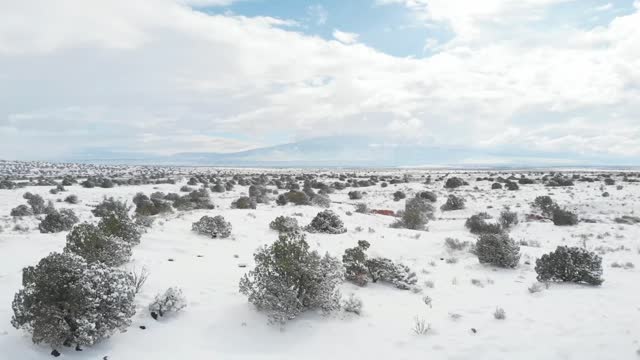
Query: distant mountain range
[339, 151]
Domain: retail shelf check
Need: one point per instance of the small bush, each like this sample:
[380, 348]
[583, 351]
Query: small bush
[21, 210]
[454, 182]
[71, 199]
[110, 206]
[477, 224]
[322, 201]
[353, 305]
[288, 279]
[285, 224]
[562, 217]
[455, 244]
[417, 213]
[500, 314]
[570, 264]
[510, 185]
[216, 227]
[58, 221]
[355, 195]
[167, 303]
[36, 202]
[197, 199]
[508, 219]
[146, 206]
[355, 263]
[120, 226]
[93, 245]
[545, 205]
[244, 202]
[326, 222]
[498, 250]
[67, 301]
[496, 186]
[453, 203]
[399, 195]
[428, 195]
[362, 208]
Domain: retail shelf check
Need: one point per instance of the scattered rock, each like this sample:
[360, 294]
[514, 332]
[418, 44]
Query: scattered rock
[55, 353]
[144, 327]
[78, 348]
[170, 259]
[473, 330]
[154, 315]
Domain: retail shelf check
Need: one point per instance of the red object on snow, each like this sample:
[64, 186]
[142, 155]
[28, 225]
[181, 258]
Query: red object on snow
[384, 212]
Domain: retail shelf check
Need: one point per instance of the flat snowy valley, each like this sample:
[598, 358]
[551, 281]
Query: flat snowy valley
[455, 296]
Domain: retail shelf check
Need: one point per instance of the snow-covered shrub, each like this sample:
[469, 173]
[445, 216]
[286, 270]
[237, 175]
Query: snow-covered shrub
[385, 270]
[21, 210]
[455, 244]
[563, 217]
[285, 224]
[244, 202]
[355, 195]
[477, 224]
[143, 222]
[120, 226]
[454, 182]
[167, 303]
[321, 201]
[508, 219]
[197, 199]
[88, 241]
[498, 250]
[326, 222]
[355, 263]
[110, 206]
[215, 227]
[67, 301]
[259, 194]
[58, 221]
[428, 195]
[36, 202]
[416, 215]
[399, 195]
[353, 304]
[71, 199]
[559, 181]
[510, 185]
[218, 188]
[362, 208]
[500, 314]
[545, 205]
[146, 206]
[453, 203]
[289, 279]
[572, 264]
[295, 197]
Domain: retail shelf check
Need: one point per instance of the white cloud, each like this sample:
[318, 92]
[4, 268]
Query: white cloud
[345, 37]
[159, 76]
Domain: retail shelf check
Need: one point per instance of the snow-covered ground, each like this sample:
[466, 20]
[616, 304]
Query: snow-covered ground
[565, 321]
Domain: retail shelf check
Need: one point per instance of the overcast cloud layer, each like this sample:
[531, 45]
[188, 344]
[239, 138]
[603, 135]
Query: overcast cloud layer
[166, 76]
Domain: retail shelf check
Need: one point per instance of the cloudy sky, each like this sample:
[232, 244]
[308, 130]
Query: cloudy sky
[511, 77]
